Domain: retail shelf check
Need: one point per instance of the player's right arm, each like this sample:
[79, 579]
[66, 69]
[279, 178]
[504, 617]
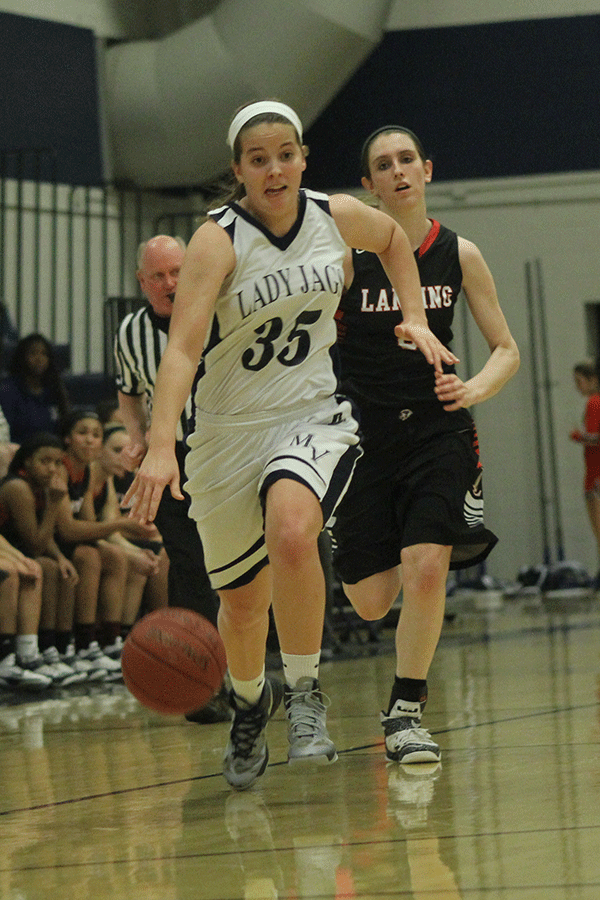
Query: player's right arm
[208, 260]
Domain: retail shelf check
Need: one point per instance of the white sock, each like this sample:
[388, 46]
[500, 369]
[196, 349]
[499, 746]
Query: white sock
[249, 691]
[27, 647]
[295, 667]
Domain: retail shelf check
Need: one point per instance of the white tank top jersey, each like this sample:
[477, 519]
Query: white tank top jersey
[268, 353]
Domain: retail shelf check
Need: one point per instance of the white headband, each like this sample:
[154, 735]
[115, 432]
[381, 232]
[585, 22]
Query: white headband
[256, 109]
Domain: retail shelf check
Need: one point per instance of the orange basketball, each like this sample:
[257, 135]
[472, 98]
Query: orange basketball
[173, 661]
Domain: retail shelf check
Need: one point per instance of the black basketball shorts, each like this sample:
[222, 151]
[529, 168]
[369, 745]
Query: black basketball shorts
[411, 491]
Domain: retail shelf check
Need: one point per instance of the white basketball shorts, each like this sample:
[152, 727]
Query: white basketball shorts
[231, 465]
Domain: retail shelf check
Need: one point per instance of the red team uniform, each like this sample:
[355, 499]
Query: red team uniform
[591, 452]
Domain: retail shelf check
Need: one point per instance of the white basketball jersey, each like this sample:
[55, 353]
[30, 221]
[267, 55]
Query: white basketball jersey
[269, 350]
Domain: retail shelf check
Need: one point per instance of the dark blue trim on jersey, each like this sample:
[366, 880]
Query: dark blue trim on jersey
[213, 340]
[323, 203]
[218, 215]
[215, 335]
[259, 543]
[281, 242]
[338, 483]
[277, 476]
[247, 577]
[252, 572]
[336, 363]
[340, 480]
[297, 459]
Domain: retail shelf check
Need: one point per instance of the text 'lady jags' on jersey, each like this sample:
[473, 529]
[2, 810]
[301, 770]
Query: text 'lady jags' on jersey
[302, 279]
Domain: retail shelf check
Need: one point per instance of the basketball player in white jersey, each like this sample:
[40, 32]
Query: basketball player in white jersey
[274, 445]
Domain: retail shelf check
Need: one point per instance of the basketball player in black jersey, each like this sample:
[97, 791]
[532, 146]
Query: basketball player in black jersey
[415, 507]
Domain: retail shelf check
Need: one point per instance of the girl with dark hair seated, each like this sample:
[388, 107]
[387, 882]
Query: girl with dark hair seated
[33, 396]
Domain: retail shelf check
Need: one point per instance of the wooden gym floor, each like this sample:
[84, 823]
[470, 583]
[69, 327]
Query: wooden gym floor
[102, 799]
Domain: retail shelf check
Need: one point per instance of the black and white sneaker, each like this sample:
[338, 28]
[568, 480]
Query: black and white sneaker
[246, 754]
[61, 672]
[46, 664]
[13, 675]
[114, 651]
[100, 663]
[90, 669]
[216, 710]
[405, 740]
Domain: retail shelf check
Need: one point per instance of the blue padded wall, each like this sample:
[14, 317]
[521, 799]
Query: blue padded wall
[489, 100]
[49, 100]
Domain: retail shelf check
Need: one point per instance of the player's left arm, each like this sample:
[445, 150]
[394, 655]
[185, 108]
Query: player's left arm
[503, 362]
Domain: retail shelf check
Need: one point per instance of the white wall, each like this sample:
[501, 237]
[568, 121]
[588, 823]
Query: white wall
[554, 220]
[134, 18]
[406, 14]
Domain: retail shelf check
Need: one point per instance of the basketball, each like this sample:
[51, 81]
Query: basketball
[173, 661]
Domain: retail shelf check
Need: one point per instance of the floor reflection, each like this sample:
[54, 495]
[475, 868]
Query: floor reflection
[104, 800]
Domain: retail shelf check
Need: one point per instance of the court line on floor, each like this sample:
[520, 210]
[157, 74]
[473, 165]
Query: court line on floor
[346, 752]
[236, 851]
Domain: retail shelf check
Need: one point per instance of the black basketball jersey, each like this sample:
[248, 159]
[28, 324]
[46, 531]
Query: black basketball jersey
[374, 368]
[77, 485]
[8, 528]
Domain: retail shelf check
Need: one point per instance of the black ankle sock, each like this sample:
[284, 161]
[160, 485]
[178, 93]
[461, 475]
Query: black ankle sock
[7, 645]
[413, 690]
[46, 638]
[63, 639]
[108, 633]
[85, 633]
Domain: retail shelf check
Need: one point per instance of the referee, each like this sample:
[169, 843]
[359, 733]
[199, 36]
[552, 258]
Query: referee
[139, 344]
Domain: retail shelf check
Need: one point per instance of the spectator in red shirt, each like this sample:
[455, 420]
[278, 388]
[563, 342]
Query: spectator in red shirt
[587, 383]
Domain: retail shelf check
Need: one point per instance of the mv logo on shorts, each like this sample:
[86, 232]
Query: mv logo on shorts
[473, 505]
[306, 441]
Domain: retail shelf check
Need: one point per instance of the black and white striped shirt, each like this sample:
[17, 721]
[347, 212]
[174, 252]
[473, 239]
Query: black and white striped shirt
[140, 342]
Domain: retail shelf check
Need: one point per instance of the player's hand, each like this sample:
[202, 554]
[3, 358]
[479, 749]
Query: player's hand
[68, 570]
[132, 455]
[158, 470]
[424, 340]
[451, 391]
[58, 487]
[28, 568]
[135, 530]
[577, 436]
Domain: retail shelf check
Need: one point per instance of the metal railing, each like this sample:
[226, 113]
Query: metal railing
[64, 250]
